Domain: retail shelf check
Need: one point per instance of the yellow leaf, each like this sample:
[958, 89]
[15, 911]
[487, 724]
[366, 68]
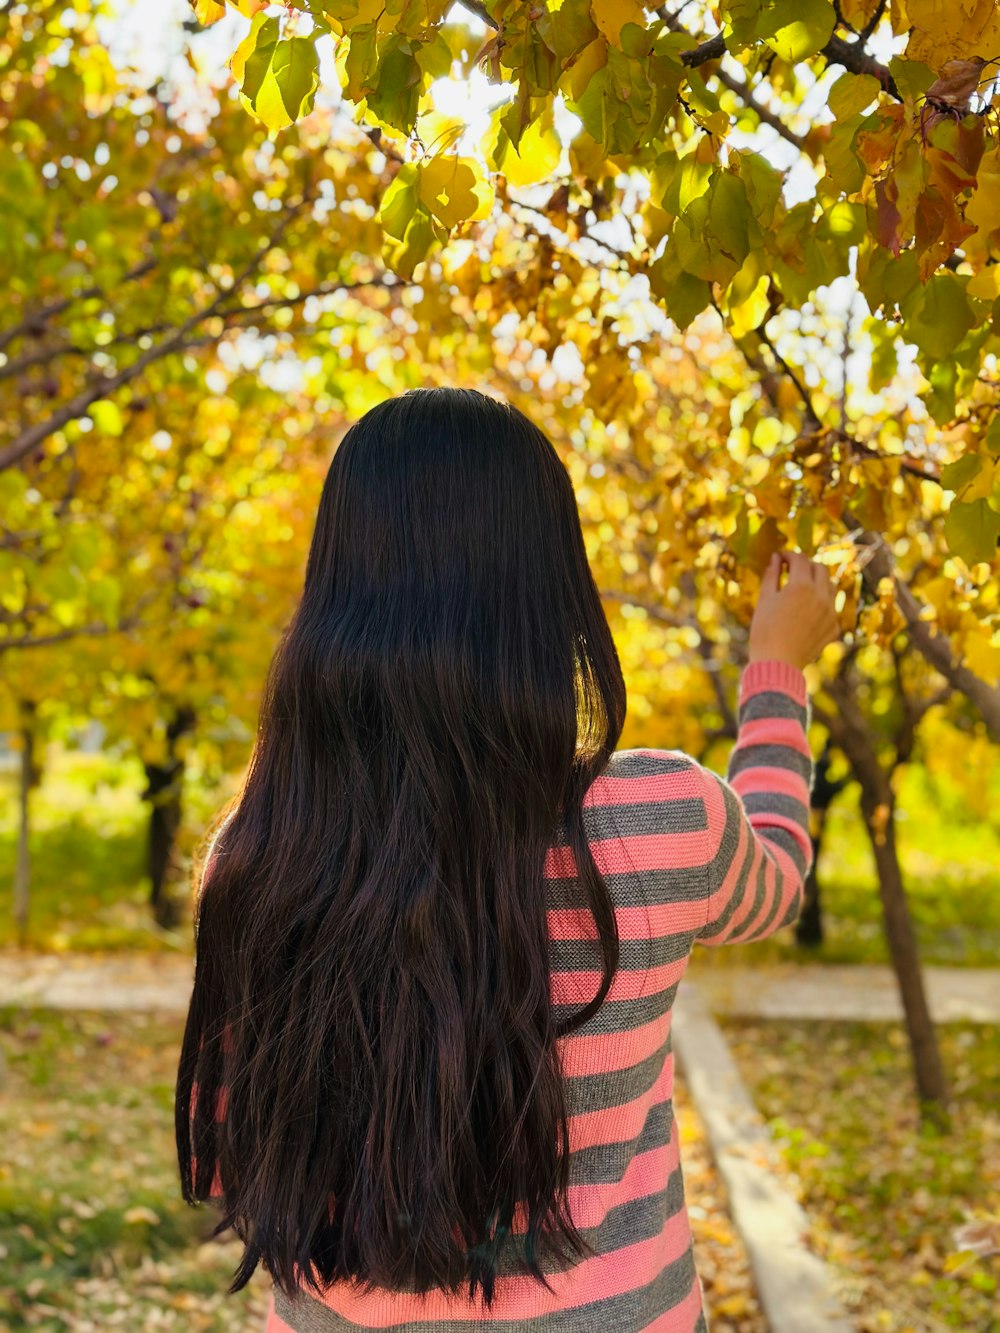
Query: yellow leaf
[944, 31]
[453, 190]
[982, 657]
[590, 60]
[612, 15]
[270, 105]
[985, 285]
[536, 156]
[208, 11]
[983, 209]
[749, 313]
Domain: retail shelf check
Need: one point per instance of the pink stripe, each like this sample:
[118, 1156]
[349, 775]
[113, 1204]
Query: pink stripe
[781, 780]
[647, 1174]
[640, 851]
[519, 1297]
[275, 1323]
[607, 790]
[616, 1124]
[773, 731]
[634, 923]
[604, 1052]
[724, 894]
[580, 987]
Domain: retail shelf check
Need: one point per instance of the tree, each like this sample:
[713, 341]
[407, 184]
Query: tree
[648, 289]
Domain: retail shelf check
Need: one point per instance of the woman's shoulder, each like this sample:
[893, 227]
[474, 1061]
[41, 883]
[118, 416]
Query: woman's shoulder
[647, 773]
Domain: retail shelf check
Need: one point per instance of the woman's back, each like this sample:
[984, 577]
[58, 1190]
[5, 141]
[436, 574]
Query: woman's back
[426, 1068]
[685, 861]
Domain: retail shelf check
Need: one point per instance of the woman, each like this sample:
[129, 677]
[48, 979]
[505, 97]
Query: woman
[427, 1067]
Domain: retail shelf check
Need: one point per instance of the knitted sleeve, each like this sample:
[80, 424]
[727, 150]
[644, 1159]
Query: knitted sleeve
[759, 850]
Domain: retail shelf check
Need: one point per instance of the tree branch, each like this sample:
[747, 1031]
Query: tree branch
[31, 438]
[852, 55]
[32, 324]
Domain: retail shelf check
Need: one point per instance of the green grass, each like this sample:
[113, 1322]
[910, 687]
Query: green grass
[94, 1229]
[90, 891]
[89, 887]
[883, 1194]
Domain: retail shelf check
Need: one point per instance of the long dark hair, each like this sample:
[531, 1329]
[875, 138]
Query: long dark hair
[371, 1000]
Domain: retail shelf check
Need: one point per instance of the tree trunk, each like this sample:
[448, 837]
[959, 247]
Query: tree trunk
[28, 777]
[164, 793]
[809, 927]
[851, 732]
[880, 822]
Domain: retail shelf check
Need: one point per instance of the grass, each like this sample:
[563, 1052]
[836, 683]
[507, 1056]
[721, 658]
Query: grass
[94, 1230]
[89, 887]
[883, 1194]
[90, 891]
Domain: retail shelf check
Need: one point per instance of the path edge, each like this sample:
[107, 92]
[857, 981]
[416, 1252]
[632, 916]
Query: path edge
[795, 1287]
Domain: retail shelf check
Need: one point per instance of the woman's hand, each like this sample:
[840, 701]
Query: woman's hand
[793, 623]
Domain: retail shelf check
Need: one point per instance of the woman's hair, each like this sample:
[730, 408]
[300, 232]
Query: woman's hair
[369, 1058]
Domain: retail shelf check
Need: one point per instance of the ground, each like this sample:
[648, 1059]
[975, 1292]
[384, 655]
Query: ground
[96, 1234]
[885, 1195]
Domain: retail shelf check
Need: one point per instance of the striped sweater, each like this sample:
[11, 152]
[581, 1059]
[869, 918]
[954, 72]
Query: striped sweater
[687, 858]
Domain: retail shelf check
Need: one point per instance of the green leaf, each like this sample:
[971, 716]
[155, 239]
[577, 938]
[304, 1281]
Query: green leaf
[941, 317]
[258, 62]
[396, 93]
[912, 77]
[763, 185]
[567, 30]
[296, 72]
[958, 474]
[794, 29]
[400, 201]
[971, 531]
[416, 243]
[360, 61]
[683, 295]
[993, 434]
[714, 234]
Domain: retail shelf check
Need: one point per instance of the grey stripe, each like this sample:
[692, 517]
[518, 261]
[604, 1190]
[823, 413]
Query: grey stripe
[633, 955]
[773, 802]
[631, 1312]
[626, 1224]
[753, 922]
[720, 865]
[605, 1163]
[773, 703]
[683, 814]
[601, 1092]
[635, 888]
[632, 764]
[771, 756]
[619, 1015]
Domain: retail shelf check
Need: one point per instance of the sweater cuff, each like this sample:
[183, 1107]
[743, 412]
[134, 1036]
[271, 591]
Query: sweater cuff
[772, 675]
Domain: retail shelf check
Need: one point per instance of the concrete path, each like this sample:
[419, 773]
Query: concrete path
[817, 991]
[85, 981]
[163, 982]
